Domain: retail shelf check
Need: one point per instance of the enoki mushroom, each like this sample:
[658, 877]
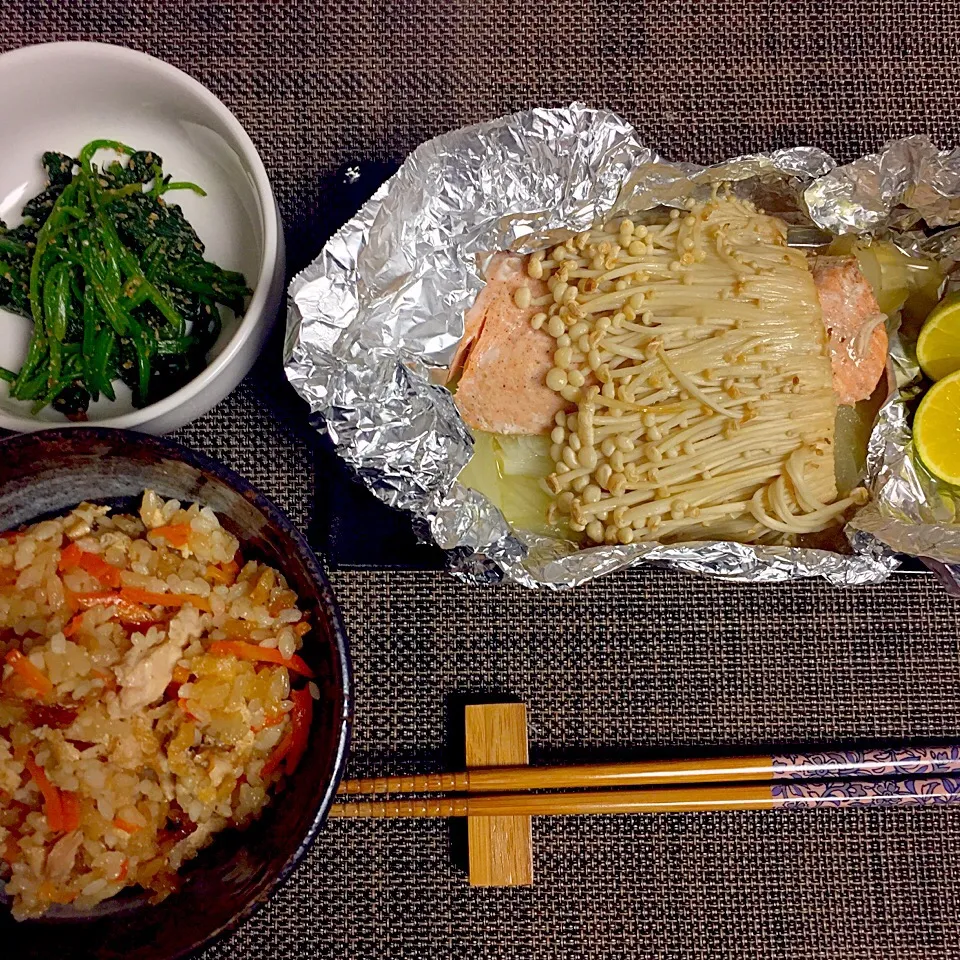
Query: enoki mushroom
[694, 352]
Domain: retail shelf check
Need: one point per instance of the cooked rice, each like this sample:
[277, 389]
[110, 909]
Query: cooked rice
[151, 737]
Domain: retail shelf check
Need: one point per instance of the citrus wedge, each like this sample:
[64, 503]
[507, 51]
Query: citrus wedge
[936, 429]
[938, 349]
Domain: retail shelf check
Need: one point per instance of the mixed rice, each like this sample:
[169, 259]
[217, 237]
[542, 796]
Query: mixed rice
[151, 696]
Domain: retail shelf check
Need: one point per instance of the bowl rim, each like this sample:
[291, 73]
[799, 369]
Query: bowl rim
[255, 314]
[174, 450]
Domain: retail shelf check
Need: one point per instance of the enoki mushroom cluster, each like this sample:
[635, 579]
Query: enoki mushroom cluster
[693, 349]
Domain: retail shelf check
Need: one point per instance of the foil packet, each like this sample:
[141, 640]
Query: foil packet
[381, 311]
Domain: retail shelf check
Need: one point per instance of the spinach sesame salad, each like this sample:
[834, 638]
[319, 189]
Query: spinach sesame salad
[115, 281]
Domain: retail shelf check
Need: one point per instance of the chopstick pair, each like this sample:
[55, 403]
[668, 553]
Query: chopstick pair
[889, 777]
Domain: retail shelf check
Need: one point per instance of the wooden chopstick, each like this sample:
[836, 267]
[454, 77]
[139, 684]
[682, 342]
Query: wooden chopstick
[920, 791]
[893, 762]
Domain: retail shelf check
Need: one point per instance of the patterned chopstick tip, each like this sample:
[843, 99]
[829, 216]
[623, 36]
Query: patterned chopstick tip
[901, 762]
[922, 791]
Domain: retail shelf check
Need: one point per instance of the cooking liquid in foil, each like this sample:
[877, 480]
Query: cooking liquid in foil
[381, 310]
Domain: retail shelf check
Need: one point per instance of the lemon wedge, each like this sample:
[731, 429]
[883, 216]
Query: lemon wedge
[938, 349]
[936, 429]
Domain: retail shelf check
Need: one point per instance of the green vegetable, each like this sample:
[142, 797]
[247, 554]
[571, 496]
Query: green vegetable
[102, 366]
[115, 281]
[12, 247]
[56, 288]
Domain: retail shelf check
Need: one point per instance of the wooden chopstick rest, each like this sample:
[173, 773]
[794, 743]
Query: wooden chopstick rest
[500, 847]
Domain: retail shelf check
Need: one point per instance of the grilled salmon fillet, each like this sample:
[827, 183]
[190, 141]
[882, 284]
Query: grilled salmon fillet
[502, 361]
[855, 323]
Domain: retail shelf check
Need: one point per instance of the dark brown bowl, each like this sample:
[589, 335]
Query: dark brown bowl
[45, 474]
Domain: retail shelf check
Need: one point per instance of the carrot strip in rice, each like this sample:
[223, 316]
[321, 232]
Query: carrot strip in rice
[152, 598]
[73, 625]
[176, 534]
[250, 651]
[16, 685]
[95, 598]
[52, 807]
[126, 609]
[301, 717]
[70, 810]
[72, 557]
[30, 674]
[125, 825]
[273, 721]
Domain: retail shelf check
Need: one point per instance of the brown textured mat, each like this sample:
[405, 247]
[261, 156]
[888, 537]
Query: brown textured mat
[651, 660]
[643, 661]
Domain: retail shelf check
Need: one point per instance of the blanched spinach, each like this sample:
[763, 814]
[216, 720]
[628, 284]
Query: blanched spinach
[115, 281]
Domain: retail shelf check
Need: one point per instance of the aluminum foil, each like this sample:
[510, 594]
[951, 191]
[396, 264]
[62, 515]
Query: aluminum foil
[906, 191]
[381, 310]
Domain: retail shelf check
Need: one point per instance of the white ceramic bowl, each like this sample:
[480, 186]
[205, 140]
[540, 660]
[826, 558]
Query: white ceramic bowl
[59, 96]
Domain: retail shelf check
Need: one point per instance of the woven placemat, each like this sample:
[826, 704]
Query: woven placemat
[648, 661]
[638, 662]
